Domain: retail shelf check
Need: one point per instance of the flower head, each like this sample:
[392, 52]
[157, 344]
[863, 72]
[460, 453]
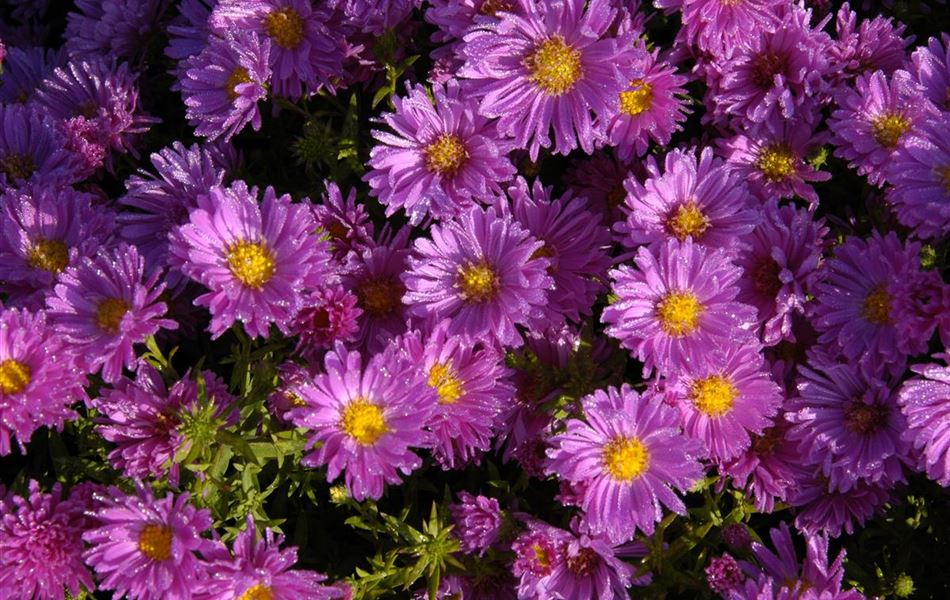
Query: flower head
[919, 172]
[478, 522]
[32, 150]
[118, 28]
[925, 403]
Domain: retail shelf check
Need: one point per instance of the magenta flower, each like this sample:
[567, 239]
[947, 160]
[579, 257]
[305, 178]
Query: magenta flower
[630, 455]
[32, 150]
[675, 307]
[698, 198]
[874, 45]
[822, 508]
[919, 171]
[478, 522]
[145, 547]
[105, 305]
[479, 270]
[223, 84]
[544, 65]
[252, 258]
[366, 420]
[440, 159]
[329, 315]
[719, 27]
[723, 574]
[726, 397]
[41, 546]
[344, 220]
[925, 402]
[119, 28]
[930, 66]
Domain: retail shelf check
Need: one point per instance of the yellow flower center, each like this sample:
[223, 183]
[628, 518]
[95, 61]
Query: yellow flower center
[446, 155]
[14, 376]
[478, 283]
[285, 27]
[446, 383]
[713, 395]
[238, 76]
[776, 162]
[379, 297]
[679, 313]
[888, 128]
[638, 99]
[155, 541]
[542, 556]
[252, 263]
[48, 255]
[687, 220]
[877, 306]
[257, 592]
[555, 67]
[17, 166]
[625, 458]
[363, 421]
[109, 314]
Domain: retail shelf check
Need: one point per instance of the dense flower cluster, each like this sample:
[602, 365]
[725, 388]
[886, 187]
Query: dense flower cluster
[601, 282]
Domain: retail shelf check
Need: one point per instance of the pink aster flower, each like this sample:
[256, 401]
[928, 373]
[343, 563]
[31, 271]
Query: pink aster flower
[723, 574]
[719, 27]
[853, 302]
[329, 315]
[726, 397]
[480, 271]
[874, 119]
[698, 198]
[145, 547]
[440, 159]
[778, 70]
[344, 220]
[305, 54]
[676, 306]
[631, 455]
[105, 305]
[43, 230]
[252, 258]
[650, 106]
[821, 508]
[544, 65]
[366, 420]
[772, 158]
[781, 268]
[925, 402]
[478, 522]
[846, 421]
[41, 546]
[222, 85]
[874, 45]
[472, 387]
[575, 242]
[930, 67]
[258, 568]
[919, 171]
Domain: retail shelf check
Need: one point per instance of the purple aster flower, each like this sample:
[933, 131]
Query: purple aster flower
[23, 71]
[41, 546]
[144, 546]
[222, 85]
[874, 119]
[455, 18]
[304, 54]
[478, 522]
[43, 230]
[675, 307]
[188, 32]
[919, 171]
[544, 65]
[537, 551]
[144, 419]
[921, 305]
[723, 574]
[259, 569]
[32, 150]
[779, 70]
[650, 106]
[930, 67]
[925, 402]
[725, 397]
[440, 158]
[631, 455]
[39, 379]
[846, 421]
[119, 28]
[252, 258]
[366, 420]
[164, 200]
[575, 242]
[344, 220]
[781, 267]
[98, 103]
[701, 198]
[479, 269]
[821, 508]
[718, 27]
[772, 158]
[874, 45]
[853, 302]
[329, 315]
[472, 387]
[105, 305]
